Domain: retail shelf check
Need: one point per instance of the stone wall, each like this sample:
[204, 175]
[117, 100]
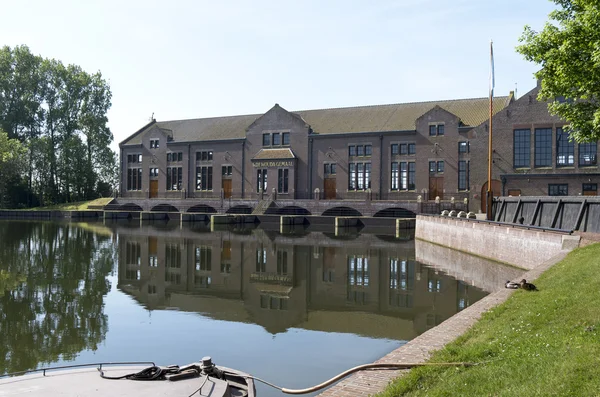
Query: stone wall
[515, 245]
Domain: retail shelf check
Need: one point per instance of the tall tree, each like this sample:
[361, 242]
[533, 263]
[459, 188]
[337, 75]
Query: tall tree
[12, 154]
[568, 51]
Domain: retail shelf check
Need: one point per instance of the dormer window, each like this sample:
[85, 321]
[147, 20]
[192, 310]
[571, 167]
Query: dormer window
[154, 143]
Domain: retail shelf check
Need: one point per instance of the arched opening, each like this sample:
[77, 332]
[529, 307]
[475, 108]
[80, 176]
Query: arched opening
[202, 208]
[341, 211]
[239, 209]
[164, 208]
[395, 212]
[130, 207]
[290, 210]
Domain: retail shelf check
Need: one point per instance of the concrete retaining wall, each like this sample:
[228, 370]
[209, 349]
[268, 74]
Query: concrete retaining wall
[516, 245]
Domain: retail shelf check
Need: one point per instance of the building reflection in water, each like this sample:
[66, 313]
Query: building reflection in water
[358, 283]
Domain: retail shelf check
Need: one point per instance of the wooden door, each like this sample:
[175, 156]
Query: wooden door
[496, 191]
[436, 187]
[226, 188]
[330, 188]
[153, 188]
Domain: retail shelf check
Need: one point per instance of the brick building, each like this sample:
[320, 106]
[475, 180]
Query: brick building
[393, 153]
[532, 155]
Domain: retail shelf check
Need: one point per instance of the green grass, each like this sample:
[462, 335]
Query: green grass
[544, 343]
[78, 206]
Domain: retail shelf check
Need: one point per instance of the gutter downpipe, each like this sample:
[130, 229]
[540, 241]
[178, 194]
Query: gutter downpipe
[310, 166]
[380, 167]
[190, 170]
[243, 166]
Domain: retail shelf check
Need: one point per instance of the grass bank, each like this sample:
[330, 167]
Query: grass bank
[544, 343]
[78, 206]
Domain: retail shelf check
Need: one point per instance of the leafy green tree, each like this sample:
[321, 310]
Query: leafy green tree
[568, 50]
[12, 154]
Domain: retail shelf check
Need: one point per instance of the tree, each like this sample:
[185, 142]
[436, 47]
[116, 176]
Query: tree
[12, 155]
[568, 50]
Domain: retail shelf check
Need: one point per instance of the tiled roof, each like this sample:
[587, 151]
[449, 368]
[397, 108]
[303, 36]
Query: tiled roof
[274, 154]
[376, 118]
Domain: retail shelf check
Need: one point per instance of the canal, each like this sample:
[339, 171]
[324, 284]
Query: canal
[294, 306]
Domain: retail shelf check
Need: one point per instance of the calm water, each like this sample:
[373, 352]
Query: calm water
[293, 308]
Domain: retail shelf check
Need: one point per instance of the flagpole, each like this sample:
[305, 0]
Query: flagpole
[489, 197]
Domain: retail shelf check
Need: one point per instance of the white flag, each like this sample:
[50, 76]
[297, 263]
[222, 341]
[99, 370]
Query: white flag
[492, 82]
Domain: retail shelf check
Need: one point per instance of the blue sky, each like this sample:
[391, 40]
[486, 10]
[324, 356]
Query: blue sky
[189, 59]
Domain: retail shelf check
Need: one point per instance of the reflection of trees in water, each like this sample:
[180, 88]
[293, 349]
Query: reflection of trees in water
[55, 308]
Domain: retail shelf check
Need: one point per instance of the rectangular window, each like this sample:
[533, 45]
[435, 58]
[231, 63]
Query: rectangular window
[395, 177]
[463, 175]
[351, 150]
[403, 148]
[179, 156]
[440, 129]
[403, 176]
[565, 149]
[432, 166]
[412, 148]
[174, 177]
[368, 150]
[153, 172]
[282, 180]
[329, 169]
[134, 179]
[204, 155]
[261, 180]
[176, 156]
[411, 176]
[266, 139]
[588, 153]
[352, 176]
[522, 148]
[286, 138]
[154, 143]
[204, 176]
[440, 166]
[395, 149]
[359, 176]
[360, 150]
[543, 147]
[276, 139]
[558, 189]
[226, 170]
[168, 157]
[590, 189]
[463, 147]
[432, 130]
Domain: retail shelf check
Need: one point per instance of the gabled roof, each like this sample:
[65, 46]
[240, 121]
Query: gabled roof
[376, 118]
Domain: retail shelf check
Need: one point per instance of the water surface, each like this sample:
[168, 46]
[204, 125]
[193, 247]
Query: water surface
[294, 308]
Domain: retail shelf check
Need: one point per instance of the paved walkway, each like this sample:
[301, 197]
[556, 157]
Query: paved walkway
[418, 350]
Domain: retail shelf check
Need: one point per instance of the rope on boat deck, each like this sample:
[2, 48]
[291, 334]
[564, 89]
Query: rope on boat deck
[390, 366]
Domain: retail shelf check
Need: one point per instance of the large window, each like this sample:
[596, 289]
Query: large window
[463, 175]
[204, 177]
[565, 149]
[403, 176]
[134, 179]
[359, 176]
[558, 189]
[543, 147]
[522, 148]
[463, 147]
[282, 180]
[174, 177]
[588, 153]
